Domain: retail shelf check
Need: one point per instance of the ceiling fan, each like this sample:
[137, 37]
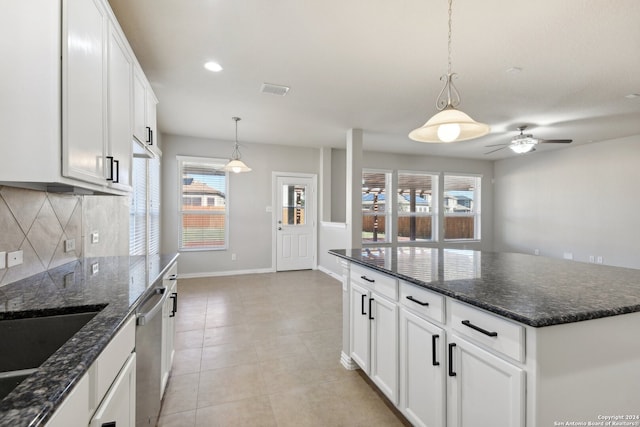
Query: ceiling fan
[525, 143]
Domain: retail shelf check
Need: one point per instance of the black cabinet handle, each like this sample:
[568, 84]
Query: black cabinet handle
[433, 350]
[451, 371]
[367, 279]
[110, 158]
[173, 277]
[364, 313]
[370, 316]
[109, 424]
[117, 179]
[479, 329]
[424, 304]
[149, 135]
[174, 310]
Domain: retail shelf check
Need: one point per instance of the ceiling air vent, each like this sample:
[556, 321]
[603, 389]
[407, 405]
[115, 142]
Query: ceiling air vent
[274, 89]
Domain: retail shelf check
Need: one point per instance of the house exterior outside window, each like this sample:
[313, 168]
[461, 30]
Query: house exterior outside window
[417, 207]
[462, 207]
[376, 221]
[203, 204]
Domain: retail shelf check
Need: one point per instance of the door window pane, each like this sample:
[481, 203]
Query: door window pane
[374, 197]
[293, 204]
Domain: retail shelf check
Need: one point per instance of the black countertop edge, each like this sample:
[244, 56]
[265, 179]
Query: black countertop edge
[538, 321]
[35, 400]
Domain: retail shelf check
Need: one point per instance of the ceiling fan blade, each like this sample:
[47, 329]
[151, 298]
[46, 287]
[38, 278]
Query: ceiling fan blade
[556, 141]
[497, 145]
[497, 149]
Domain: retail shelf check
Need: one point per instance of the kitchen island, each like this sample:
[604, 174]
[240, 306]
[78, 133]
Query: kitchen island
[112, 286]
[461, 338]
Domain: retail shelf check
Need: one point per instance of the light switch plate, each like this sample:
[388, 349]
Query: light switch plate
[95, 237]
[95, 268]
[3, 260]
[70, 245]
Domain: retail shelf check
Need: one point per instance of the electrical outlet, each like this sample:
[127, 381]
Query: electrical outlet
[70, 245]
[14, 258]
[95, 268]
[95, 237]
[599, 260]
[568, 255]
[536, 251]
[3, 260]
[69, 279]
[233, 257]
[592, 259]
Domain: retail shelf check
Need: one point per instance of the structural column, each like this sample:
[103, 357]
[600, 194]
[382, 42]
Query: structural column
[354, 188]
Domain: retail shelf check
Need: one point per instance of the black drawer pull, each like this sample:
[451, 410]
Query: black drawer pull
[370, 316]
[367, 279]
[451, 371]
[424, 304]
[433, 350]
[364, 313]
[479, 329]
[110, 158]
[174, 309]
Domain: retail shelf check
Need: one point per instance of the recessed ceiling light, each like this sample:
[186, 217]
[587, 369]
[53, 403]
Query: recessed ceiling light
[213, 66]
[274, 89]
[514, 70]
[632, 96]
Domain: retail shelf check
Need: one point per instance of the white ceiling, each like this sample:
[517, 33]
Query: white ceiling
[376, 64]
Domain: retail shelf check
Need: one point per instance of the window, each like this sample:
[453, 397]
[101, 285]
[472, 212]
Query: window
[375, 221]
[203, 203]
[153, 166]
[138, 209]
[461, 207]
[417, 207]
[293, 204]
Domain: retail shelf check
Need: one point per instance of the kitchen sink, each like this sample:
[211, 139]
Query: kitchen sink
[27, 343]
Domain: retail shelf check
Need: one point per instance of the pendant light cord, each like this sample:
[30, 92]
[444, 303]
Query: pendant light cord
[449, 38]
[236, 148]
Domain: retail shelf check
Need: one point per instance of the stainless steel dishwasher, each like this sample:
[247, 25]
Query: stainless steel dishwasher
[149, 355]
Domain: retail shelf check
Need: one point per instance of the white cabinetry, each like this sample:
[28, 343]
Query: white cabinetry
[106, 392]
[119, 149]
[68, 108]
[144, 112]
[84, 89]
[422, 371]
[169, 324]
[484, 390]
[374, 328]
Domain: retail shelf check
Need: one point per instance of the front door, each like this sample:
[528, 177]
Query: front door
[295, 223]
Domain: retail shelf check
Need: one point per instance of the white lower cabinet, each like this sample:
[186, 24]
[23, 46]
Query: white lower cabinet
[484, 389]
[422, 371]
[118, 408]
[169, 324]
[374, 339]
[105, 396]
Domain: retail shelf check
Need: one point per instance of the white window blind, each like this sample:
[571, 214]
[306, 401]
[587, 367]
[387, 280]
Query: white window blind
[154, 206]
[203, 203]
[138, 209]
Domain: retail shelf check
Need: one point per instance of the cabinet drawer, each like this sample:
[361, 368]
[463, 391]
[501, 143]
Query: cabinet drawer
[379, 283]
[114, 356]
[423, 301]
[492, 331]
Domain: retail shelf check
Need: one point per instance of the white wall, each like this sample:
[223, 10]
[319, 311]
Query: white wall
[581, 200]
[250, 194]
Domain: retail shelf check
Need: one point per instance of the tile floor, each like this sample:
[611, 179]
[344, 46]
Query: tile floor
[264, 350]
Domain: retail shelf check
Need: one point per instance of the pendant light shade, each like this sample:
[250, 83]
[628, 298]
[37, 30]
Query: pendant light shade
[236, 165]
[449, 124]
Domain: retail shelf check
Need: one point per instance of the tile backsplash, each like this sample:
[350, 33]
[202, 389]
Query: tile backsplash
[38, 223]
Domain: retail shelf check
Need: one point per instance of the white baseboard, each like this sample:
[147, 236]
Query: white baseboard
[348, 362]
[330, 273]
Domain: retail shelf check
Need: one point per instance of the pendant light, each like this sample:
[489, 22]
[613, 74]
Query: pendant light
[449, 124]
[235, 164]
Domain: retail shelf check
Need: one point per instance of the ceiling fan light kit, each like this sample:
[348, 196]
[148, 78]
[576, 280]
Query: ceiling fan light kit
[236, 165]
[449, 124]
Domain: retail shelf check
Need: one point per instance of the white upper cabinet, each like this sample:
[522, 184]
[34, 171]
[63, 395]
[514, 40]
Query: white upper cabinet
[144, 113]
[67, 107]
[120, 111]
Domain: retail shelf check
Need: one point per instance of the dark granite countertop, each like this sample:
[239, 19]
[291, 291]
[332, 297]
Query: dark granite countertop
[533, 290]
[115, 290]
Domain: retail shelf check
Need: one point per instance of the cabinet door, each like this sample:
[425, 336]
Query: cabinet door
[485, 390]
[422, 371]
[119, 405]
[168, 330]
[139, 103]
[119, 112]
[360, 327]
[384, 346]
[84, 90]
[151, 119]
